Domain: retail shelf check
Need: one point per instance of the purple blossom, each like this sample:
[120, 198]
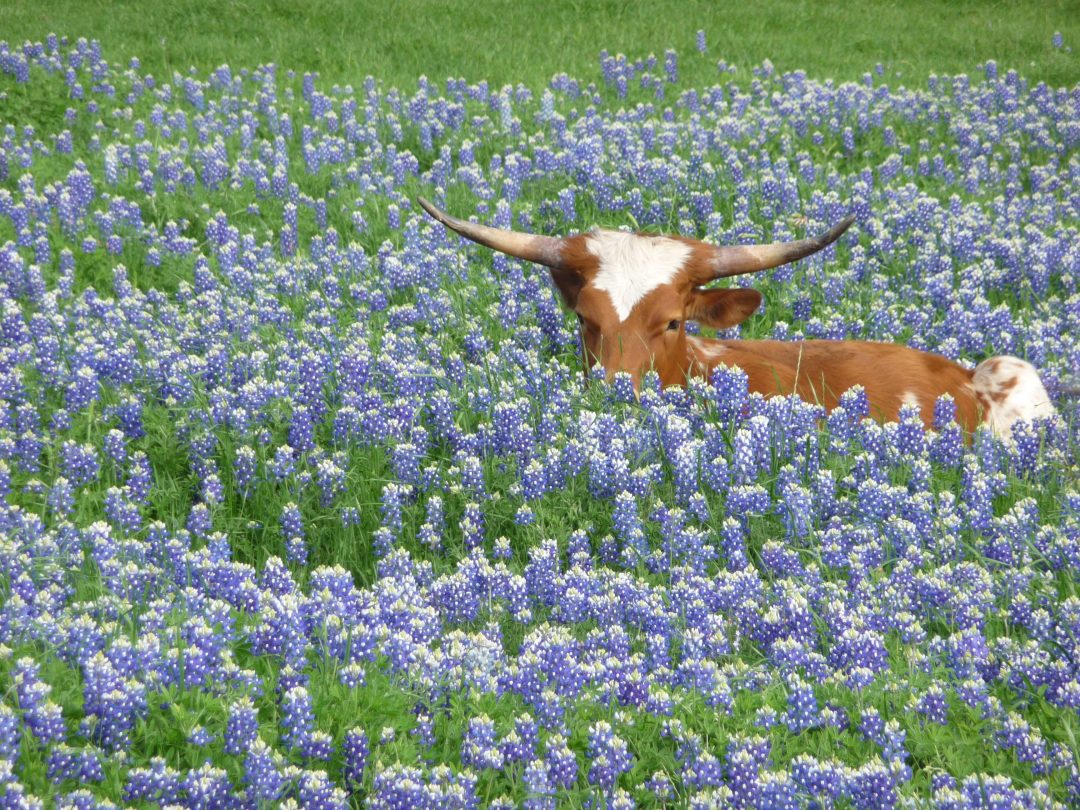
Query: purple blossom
[241, 728]
[355, 752]
[478, 747]
[297, 718]
[608, 754]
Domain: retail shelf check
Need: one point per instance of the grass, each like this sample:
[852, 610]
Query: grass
[504, 41]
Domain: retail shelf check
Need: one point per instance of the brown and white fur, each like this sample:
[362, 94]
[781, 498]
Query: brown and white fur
[634, 292]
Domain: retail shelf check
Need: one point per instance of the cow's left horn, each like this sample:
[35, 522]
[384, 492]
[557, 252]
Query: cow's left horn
[545, 250]
[734, 260]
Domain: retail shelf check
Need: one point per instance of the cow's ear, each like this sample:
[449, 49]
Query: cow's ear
[722, 308]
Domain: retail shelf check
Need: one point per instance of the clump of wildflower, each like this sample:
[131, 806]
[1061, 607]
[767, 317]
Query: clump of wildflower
[478, 747]
[241, 727]
[608, 754]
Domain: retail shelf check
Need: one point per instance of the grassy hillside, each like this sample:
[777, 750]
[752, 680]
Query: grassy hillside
[530, 41]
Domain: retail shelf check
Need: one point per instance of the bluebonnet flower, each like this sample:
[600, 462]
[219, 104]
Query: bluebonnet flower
[200, 521]
[742, 775]
[317, 792]
[61, 499]
[608, 754]
[244, 468]
[478, 747]
[816, 778]
[472, 525]
[524, 515]
[423, 730]
[733, 543]
[80, 765]
[731, 392]
[746, 500]
[292, 522]
[947, 444]
[10, 734]
[242, 727]
[115, 445]
[79, 463]
[263, 773]
[401, 786]
[350, 516]
[872, 785]
[355, 751]
[539, 789]
[297, 718]
[158, 783]
[207, 786]
[797, 509]
[803, 712]
[330, 477]
[140, 478]
[121, 511]
[910, 436]
[213, 492]
[628, 527]
[560, 760]
[41, 716]
[659, 785]
[933, 705]
[296, 551]
[319, 746]
[284, 462]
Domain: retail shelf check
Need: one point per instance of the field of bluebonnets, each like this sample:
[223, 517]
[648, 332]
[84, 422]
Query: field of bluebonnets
[306, 501]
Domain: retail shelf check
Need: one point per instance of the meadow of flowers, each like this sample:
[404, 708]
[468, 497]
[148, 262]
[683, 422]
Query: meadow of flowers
[306, 502]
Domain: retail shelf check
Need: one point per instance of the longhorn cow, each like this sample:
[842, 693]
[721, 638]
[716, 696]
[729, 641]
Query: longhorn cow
[633, 293]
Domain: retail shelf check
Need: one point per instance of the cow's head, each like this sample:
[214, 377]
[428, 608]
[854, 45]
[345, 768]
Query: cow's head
[633, 292]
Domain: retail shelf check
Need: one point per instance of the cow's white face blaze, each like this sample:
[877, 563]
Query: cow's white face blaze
[633, 303]
[629, 306]
[633, 265]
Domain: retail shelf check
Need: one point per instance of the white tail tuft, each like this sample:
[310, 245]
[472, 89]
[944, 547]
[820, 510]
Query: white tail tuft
[1010, 389]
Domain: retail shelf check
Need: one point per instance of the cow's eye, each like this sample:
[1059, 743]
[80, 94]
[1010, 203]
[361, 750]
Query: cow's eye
[673, 326]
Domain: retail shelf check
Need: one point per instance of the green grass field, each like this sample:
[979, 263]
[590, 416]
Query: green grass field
[508, 41]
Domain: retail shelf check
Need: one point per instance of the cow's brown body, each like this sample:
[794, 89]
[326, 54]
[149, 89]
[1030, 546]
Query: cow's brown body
[820, 371]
